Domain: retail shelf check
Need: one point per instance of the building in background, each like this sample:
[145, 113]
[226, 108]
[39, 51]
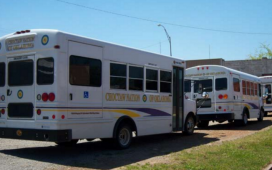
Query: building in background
[262, 67]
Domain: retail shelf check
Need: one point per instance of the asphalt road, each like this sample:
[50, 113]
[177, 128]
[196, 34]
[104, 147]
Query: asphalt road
[21, 155]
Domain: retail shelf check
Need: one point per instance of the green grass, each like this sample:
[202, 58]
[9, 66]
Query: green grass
[251, 152]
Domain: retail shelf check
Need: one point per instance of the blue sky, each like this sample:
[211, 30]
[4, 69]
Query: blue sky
[233, 15]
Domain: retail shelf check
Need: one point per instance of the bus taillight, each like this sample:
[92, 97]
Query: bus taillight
[220, 96]
[39, 112]
[51, 97]
[3, 111]
[45, 97]
[225, 96]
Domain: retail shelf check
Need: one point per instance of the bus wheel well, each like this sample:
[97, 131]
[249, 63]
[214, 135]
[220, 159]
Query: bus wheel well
[247, 112]
[193, 115]
[125, 120]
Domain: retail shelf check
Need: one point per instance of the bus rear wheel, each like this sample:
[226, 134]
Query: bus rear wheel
[203, 124]
[67, 144]
[123, 136]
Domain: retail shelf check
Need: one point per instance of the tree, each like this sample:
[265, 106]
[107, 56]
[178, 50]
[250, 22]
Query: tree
[263, 51]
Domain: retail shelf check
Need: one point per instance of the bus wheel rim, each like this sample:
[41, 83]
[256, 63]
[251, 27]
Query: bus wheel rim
[124, 136]
[190, 124]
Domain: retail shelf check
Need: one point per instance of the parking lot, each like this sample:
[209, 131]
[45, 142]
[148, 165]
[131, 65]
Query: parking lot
[16, 154]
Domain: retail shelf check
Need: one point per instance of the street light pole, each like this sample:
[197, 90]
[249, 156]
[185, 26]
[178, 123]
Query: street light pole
[168, 37]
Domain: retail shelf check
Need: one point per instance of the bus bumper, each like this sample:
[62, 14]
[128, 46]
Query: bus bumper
[36, 134]
[219, 116]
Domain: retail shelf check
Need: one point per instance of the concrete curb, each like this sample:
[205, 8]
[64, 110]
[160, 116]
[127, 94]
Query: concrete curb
[269, 167]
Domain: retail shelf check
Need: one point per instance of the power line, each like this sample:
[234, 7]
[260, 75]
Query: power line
[167, 23]
[153, 44]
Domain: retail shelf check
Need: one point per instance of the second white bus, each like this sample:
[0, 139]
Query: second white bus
[223, 94]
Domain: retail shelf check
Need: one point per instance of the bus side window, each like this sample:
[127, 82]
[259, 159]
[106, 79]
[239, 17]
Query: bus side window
[45, 71]
[152, 80]
[244, 87]
[136, 76]
[255, 89]
[2, 74]
[236, 84]
[118, 76]
[165, 81]
[221, 84]
[248, 87]
[85, 71]
[252, 88]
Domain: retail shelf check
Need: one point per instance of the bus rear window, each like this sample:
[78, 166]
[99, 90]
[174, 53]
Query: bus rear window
[20, 73]
[203, 86]
[45, 71]
[2, 74]
[221, 84]
[187, 87]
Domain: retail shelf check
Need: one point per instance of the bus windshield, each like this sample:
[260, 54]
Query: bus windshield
[203, 86]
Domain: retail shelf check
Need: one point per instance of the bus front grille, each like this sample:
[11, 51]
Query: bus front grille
[20, 110]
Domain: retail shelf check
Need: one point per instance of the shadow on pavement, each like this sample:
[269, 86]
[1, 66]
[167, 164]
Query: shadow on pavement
[252, 125]
[99, 155]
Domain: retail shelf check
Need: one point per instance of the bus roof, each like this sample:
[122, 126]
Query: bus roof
[243, 74]
[57, 32]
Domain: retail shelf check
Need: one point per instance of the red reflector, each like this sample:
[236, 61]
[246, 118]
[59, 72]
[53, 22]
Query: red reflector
[57, 47]
[202, 68]
[39, 112]
[44, 97]
[62, 116]
[207, 68]
[3, 111]
[219, 107]
[197, 68]
[186, 97]
[53, 116]
[27, 30]
[22, 31]
[225, 110]
[220, 96]
[18, 32]
[51, 97]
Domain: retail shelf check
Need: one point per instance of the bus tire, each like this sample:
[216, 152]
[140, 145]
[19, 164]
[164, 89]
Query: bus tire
[67, 144]
[123, 137]
[265, 114]
[203, 124]
[244, 120]
[260, 119]
[189, 125]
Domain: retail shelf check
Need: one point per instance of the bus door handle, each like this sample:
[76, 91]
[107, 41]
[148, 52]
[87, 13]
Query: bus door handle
[71, 96]
[9, 92]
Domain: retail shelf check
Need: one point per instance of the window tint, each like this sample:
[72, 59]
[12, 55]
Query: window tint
[136, 76]
[165, 81]
[151, 80]
[248, 87]
[188, 85]
[255, 89]
[2, 74]
[236, 84]
[244, 87]
[45, 71]
[221, 84]
[118, 76]
[20, 73]
[203, 86]
[85, 71]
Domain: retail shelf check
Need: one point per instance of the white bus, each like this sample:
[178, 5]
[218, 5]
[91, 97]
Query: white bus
[223, 94]
[266, 91]
[60, 87]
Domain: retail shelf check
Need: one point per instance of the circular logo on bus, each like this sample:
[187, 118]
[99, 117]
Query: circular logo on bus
[3, 98]
[45, 39]
[144, 98]
[20, 94]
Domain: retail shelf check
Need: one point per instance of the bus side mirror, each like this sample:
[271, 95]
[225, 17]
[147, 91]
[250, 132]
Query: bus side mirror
[205, 95]
[265, 96]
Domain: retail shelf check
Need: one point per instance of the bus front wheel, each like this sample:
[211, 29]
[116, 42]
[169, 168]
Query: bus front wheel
[189, 125]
